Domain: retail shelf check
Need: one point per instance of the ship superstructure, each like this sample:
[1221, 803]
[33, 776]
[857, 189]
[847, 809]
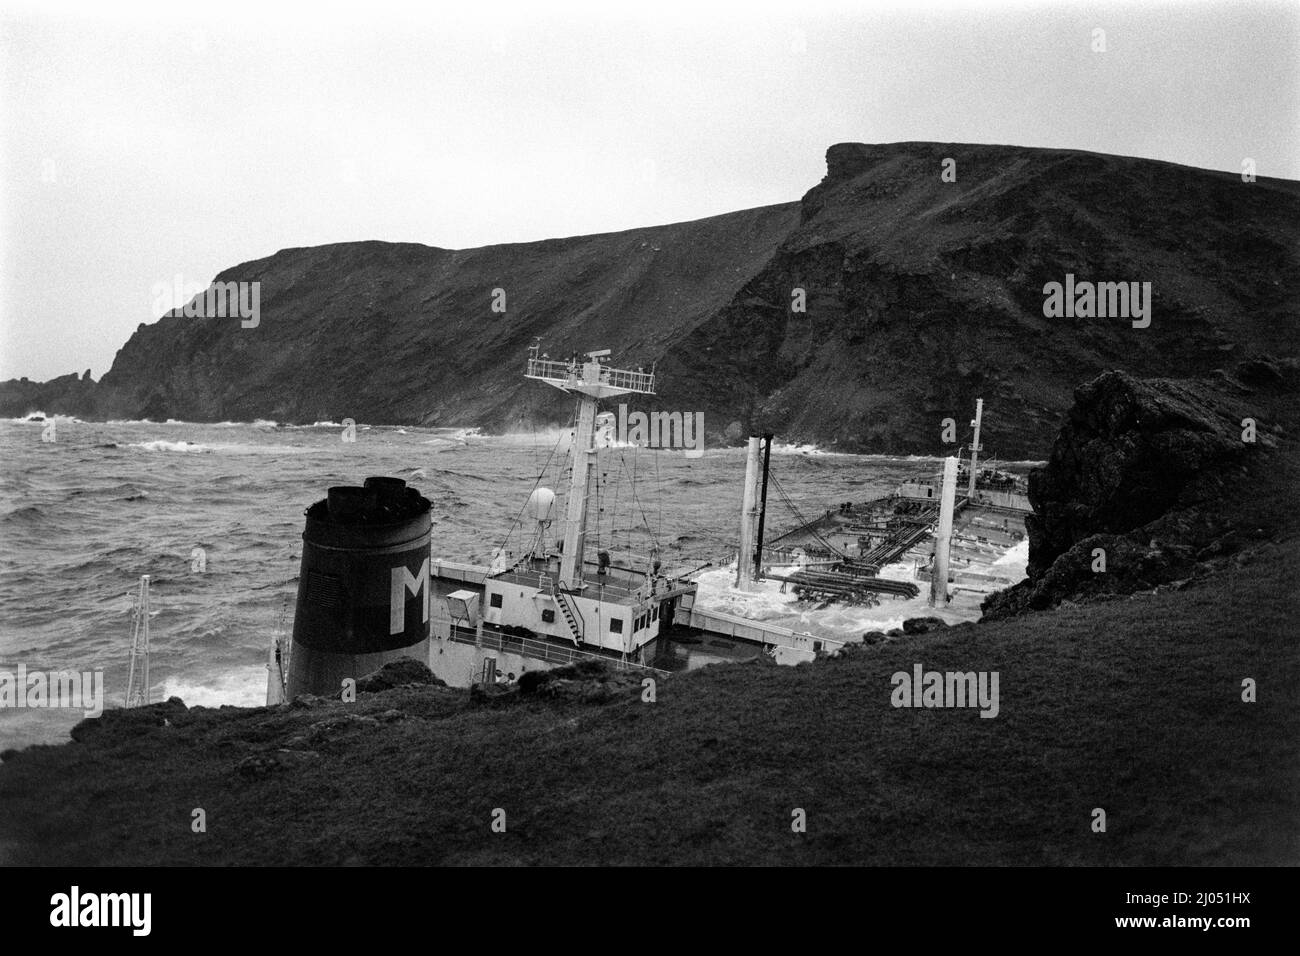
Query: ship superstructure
[554, 592]
[557, 603]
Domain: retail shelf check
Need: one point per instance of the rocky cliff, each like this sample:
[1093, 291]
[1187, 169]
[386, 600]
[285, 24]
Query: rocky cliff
[1155, 481]
[885, 301]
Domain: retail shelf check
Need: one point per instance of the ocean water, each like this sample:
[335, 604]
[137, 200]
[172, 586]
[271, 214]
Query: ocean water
[84, 516]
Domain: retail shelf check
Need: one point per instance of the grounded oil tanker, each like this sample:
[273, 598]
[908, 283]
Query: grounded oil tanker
[372, 589]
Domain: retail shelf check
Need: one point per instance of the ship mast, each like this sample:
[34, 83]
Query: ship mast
[590, 381]
[137, 681]
[975, 448]
[748, 517]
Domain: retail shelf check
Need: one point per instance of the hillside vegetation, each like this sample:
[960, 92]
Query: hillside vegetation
[918, 296]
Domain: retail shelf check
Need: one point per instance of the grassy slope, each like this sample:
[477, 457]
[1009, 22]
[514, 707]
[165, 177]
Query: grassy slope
[1132, 705]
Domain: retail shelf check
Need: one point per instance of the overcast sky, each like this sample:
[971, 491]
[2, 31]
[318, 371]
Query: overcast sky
[138, 146]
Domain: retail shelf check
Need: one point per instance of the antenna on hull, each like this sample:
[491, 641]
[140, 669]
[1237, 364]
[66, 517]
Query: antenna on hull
[137, 681]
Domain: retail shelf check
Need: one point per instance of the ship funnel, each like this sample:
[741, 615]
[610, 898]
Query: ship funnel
[363, 592]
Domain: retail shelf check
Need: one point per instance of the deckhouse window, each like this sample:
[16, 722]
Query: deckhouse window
[494, 599]
[616, 625]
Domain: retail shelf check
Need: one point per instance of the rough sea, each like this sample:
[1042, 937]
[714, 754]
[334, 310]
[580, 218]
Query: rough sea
[82, 517]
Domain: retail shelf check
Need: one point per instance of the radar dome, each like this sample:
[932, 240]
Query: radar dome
[540, 504]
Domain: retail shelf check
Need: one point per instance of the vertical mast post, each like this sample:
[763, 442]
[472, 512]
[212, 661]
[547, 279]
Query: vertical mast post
[975, 449]
[748, 517]
[943, 538]
[762, 507]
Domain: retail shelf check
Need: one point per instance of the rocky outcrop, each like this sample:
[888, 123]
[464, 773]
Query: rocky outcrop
[67, 394]
[403, 672]
[885, 301]
[921, 625]
[119, 723]
[1130, 451]
[1140, 486]
[588, 682]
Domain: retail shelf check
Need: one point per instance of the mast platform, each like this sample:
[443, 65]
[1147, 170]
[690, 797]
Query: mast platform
[591, 378]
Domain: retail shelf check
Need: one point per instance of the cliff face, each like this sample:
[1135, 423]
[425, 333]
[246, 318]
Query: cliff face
[388, 333]
[1156, 481]
[67, 393]
[924, 295]
[918, 296]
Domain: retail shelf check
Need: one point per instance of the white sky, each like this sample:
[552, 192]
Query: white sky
[144, 144]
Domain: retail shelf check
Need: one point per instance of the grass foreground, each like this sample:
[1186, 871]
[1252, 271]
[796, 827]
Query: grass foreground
[1133, 705]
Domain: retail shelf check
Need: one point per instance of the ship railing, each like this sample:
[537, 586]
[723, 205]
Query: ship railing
[599, 586]
[544, 650]
[759, 632]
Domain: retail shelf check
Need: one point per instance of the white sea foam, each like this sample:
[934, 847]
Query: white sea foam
[160, 445]
[455, 436]
[1017, 555]
[40, 418]
[238, 448]
[765, 602]
[783, 449]
[239, 687]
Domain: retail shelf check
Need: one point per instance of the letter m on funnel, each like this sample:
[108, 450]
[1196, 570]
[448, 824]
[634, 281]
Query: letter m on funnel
[404, 581]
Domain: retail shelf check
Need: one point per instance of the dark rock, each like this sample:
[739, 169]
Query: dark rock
[1130, 451]
[258, 765]
[588, 682]
[1268, 373]
[1137, 473]
[399, 673]
[1130, 566]
[130, 721]
[874, 637]
[919, 625]
[287, 758]
[332, 728]
[261, 765]
[1227, 544]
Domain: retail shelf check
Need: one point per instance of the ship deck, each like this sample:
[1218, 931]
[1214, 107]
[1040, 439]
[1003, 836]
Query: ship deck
[611, 585]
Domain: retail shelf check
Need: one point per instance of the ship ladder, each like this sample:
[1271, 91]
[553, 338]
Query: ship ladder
[567, 611]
